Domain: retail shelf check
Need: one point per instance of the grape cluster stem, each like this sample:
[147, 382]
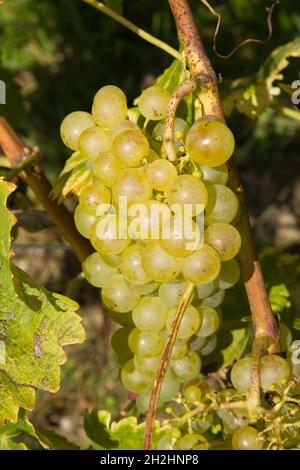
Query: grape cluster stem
[32, 174]
[264, 323]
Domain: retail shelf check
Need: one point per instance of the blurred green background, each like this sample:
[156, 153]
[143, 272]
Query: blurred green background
[55, 55]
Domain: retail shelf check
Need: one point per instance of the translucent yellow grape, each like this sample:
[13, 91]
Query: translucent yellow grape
[190, 323]
[146, 220]
[96, 270]
[210, 321]
[130, 147]
[215, 175]
[109, 106]
[246, 438]
[187, 189]
[107, 167]
[224, 238]
[117, 295]
[210, 142]
[132, 184]
[73, 126]
[107, 236]
[147, 365]
[188, 367]
[150, 314]
[273, 370]
[92, 142]
[131, 265]
[92, 196]
[201, 267]
[181, 237]
[172, 292]
[145, 343]
[160, 265]
[161, 173]
[84, 221]
[153, 103]
[134, 380]
[222, 204]
[120, 126]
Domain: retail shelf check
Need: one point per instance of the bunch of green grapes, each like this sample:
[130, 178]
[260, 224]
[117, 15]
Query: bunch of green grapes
[142, 273]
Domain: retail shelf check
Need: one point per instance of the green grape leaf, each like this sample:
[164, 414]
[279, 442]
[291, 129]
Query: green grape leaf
[34, 326]
[75, 175]
[171, 77]
[251, 96]
[51, 440]
[124, 434]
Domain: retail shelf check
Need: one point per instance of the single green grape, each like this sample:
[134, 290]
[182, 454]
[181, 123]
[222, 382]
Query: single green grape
[172, 292]
[187, 194]
[73, 126]
[188, 367]
[147, 365]
[188, 442]
[224, 238]
[120, 126]
[92, 142]
[246, 438]
[144, 289]
[181, 236]
[134, 380]
[130, 147]
[107, 167]
[107, 236]
[201, 267]
[192, 393]
[92, 196]
[160, 174]
[209, 346]
[97, 271]
[204, 290]
[214, 300]
[229, 275]
[190, 323]
[117, 295]
[131, 265]
[109, 106]
[216, 175]
[146, 220]
[160, 265]
[145, 343]
[84, 221]
[210, 142]
[153, 103]
[273, 370]
[150, 314]
[210, 321]
[241, 374]
[133, 185]
[222, 204]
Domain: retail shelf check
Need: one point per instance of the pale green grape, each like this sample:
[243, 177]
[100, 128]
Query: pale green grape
[109, 106]
[181, 128]
[147, 365]
[188, 442]
[179, 349]
[209, 346]
[121, 126]
[147, 220]
[170, 388]
[153, 103]
[229, 274]
[224, 238]
[145, 343]
[210, 142]
[144, 289]
[172, 292]
[241, 374]
[107, 167]
[190, 323]
[92, 142]
[214, 300]
[165, 443]
[188, 367]
[150, 314]
[201, 267]
[273, 370]
[130, 147]
[117, 295]
[246, 438]
[83, 221]
[204, 290]
[181, 236]
[187, 193]
[131, 184]
[210, 321]
[161, 173]
[72, 127]
[160, 265]
[92, 196]
[286, 337]
[131, 265]
[222, 204]
[107, 236]
[192, 393]
[112, 260]
[133, 380]
[197, 343]
[216, 175]
[96, 270]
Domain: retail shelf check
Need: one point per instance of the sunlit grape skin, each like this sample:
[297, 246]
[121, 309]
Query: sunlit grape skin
[145, 343]
[153, 103]
[188, 367]
[84, 221]
[246, 438]
[159, 265]
[229, 274]
[106, 238]
[132, 184]
[172, 292]
[192, 393]
[92, 142]
[210, 321]
[222, 204]
[96, 270]
[120, 126]
[273, 370]
[190, 323]
[130, 147]
[201, 267]
[150, 314]
[182, 236]
[109, 106]
[133, 380]
[160, 174]
[107, 167]
[225, 239]
[117, 295]
[215, 175]
[240, 374]
[131, 265]
[92, 196]
[187, 189]
[210, 142]
[72, 127]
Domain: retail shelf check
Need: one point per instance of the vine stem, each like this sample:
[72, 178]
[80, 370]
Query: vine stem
[185, 300]
[135, 29]
[19, 155]
[264, 323]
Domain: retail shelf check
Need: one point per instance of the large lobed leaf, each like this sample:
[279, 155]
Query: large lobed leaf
[34, 325]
